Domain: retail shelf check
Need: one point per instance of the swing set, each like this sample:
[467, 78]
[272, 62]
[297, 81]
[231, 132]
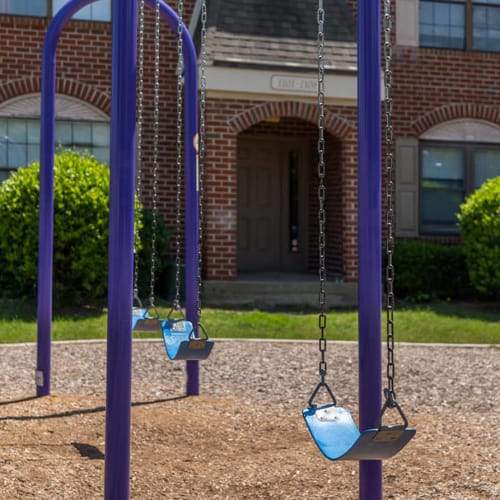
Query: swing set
[332, 427]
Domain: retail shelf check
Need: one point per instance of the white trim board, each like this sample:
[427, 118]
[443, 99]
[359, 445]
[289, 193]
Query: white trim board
[252, 84]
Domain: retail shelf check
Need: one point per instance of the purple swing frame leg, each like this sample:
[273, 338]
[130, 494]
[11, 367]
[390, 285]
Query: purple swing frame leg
[121, 248]
[46, 215]
[369, 235]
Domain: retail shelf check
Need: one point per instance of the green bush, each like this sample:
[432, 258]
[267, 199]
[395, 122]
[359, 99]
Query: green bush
[81, 199]
[425, 271]
[479, 222]
[144, 254]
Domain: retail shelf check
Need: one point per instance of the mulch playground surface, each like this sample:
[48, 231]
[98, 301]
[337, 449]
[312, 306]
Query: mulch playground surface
[247, 438]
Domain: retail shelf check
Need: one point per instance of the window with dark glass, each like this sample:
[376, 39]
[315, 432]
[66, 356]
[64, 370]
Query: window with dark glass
[97, 11]
[293, 201]
[486, 25]
[24, 7]
[20, 141]
[449, 173]
[460, 24]
[442, 24]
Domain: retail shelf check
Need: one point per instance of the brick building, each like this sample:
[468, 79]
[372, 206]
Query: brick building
[261, 118]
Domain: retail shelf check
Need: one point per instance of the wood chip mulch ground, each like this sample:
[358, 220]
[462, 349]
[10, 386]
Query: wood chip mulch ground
[244, 437]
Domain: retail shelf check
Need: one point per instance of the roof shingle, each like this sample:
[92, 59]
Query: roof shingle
[280, 34]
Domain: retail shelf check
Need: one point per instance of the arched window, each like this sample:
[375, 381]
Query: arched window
[79, 126]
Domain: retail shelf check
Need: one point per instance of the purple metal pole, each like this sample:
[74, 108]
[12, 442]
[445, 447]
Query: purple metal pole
[369, 235]
[46, 213]
[121, 250]
[191, 203]
[190, 180]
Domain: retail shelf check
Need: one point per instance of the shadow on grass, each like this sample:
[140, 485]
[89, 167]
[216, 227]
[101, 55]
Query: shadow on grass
[281, 309]
[481, 310]
[11, 309]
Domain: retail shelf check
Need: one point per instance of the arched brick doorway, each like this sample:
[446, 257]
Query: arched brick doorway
[277, 229]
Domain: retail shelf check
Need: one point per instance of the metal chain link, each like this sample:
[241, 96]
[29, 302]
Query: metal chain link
[321, 191]
[202, 151]
[156, 135]
[389, 169]
[140, 120]
[180, 84]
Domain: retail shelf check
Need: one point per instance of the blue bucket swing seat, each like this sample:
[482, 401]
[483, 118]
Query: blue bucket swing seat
[145, 320]
[142, 321]
[181, 342]
[333, 428]
[337, 436]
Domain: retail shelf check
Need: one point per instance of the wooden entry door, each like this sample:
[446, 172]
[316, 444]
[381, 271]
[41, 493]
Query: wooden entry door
[272, 205]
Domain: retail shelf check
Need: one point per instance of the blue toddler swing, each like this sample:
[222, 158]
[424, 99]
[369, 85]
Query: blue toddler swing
[332, 427]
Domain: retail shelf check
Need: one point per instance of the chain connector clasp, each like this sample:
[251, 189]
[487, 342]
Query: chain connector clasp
[321, 385]
[391, 403]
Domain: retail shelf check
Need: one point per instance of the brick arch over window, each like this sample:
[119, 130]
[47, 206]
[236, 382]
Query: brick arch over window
[72, 88]
[450, 112]
[335, 124]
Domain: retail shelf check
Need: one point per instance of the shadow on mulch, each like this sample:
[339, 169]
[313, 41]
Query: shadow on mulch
[82, 411]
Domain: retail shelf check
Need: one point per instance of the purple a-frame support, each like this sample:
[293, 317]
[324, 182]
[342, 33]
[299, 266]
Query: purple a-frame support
[121, 225]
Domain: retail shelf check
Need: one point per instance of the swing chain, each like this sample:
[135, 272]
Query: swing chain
[202, 150]
[156, 135]
[321, 191]
[389, 168]
[180, 72]
[140, 119]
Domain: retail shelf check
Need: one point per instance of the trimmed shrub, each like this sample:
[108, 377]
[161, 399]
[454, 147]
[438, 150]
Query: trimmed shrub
[144, 254]
[479, 222]
[426, 271]
[81, 199]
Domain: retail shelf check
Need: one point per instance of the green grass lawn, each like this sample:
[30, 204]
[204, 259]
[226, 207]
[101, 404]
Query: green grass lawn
[475, 323]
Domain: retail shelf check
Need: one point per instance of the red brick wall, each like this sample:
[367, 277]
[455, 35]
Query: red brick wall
[228, 118]
[430, 86]
[84, 72]
[464, 84]
[83, 59]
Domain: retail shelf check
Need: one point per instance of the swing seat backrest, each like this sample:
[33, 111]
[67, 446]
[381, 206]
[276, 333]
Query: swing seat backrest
[195, 349]
[179, 343]
[138, 314]
[338, 437]
[143, 322]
